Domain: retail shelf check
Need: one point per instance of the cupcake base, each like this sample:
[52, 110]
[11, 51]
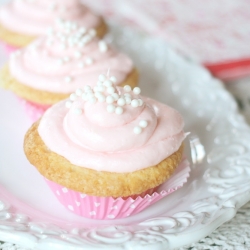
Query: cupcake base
[106, 208]
[55, 167]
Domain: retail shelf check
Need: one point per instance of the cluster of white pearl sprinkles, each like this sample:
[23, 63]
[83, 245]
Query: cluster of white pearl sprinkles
[72, 36]
[105, 92]
[142, 124]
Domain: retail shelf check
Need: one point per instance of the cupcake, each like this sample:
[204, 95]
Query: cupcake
[106, 154]
[21, 21]
[55, 65]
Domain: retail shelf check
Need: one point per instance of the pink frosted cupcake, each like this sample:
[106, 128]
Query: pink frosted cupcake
[21, 21]
[53, 66]
[108, 152]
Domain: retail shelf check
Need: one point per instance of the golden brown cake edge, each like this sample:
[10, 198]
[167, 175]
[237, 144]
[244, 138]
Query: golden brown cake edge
[58, 169]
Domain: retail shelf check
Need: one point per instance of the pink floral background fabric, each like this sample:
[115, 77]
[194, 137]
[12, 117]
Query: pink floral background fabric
[210, 32]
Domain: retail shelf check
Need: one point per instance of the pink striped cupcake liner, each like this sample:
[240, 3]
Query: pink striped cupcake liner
[107, 208]
[33, 110]
[7, 47]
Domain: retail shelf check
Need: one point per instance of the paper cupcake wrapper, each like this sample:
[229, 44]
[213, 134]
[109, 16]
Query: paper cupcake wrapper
[33, 110]
[106, 208]
[7, 47]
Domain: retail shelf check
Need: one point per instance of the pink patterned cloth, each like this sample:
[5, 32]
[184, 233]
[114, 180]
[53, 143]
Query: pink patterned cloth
[215, 33]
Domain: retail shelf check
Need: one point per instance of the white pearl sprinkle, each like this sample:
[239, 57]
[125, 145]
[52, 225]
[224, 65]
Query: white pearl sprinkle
[108, 83]
[76, 40]
[70, 39]
[127, 95]
[103, 47]
[58, 34]
[92, 32]
[92, 99]
[73, 97]
[135, 103]
[77, 111]
[127, 88]
[128, 100]
[68, 79]
[140, 102]
[87, 87]
[88, 91]
[96, 91]
[74, 26]
[90, 95]
[143, 124]
[63, 39]
[67, 24]
[65, 30]
[99, 83]
[112, 79]
[81, 44]
[60, 62]
[101, 88]
[62, 46]
[59, 21]
[98, 94]
[137, 90]
[82, 30]
[85, 96]
[78, 54]
[101, 98]
[96, 88]
[102, 78]
[110, 99]
[111, 108]
[89, 61]
[49, 42]
[68, 104]
[78, 35]
[71, 44]
[110, 90]
[79, 92]
[33, 46]
[116, 96]
[118, 110]
[121, 101]
[86, 39]
[80, 65]
[66, 59]
[50, 31]
[137, 130]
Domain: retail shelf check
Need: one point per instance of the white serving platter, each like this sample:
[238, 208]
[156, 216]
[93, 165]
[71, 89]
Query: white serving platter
[31, 217]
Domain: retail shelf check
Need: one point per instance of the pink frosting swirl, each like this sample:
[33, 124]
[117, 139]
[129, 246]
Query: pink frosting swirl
[88, 135]
[67, 58]
[34, 17]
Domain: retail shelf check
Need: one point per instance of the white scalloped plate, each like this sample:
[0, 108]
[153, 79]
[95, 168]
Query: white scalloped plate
[31, 217]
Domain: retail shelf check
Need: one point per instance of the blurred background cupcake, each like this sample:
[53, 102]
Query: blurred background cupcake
[21, 21]
[55, 65]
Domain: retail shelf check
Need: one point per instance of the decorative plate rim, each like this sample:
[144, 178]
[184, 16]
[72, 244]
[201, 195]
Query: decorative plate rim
[226, 186]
